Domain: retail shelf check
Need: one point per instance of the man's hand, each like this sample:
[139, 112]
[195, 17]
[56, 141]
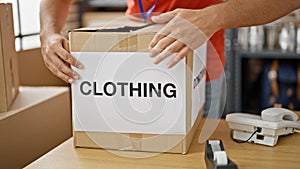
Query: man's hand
[55, 47]
[185, 30]
[57, 58]
[188, 29]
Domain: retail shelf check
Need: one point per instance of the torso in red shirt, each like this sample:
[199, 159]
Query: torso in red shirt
[215, 49]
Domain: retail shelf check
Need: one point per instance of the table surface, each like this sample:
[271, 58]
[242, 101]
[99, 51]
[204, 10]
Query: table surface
[286, 154]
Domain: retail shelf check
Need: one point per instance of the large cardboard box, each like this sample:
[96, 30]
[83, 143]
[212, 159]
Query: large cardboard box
[123, 101]
[38, 120]
[9, 78]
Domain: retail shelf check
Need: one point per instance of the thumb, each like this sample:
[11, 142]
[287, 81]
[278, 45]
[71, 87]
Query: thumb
[163, 18]
[66, 45]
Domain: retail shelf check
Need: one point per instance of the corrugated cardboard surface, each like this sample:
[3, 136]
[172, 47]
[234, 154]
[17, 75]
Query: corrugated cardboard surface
[39, 120]
[100, 18]
[137, 142]
[38, 74]
[9, 77]
[91, 40]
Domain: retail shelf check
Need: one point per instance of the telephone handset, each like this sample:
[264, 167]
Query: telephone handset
[264, 129]
[278, 114]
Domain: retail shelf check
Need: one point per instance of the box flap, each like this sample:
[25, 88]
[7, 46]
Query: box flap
[123, 25]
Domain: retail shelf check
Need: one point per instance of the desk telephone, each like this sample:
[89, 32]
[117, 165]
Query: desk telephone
[264, 129]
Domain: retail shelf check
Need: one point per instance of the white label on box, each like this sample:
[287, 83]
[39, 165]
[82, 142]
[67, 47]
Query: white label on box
[125, 92]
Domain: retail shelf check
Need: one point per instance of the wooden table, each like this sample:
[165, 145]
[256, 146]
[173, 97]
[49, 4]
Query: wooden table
[286, 154]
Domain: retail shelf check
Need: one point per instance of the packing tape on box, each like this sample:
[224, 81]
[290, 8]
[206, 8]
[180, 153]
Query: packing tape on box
[136, 141]
[126, 43]
[132, 43]
[122, 44]
[131, 141]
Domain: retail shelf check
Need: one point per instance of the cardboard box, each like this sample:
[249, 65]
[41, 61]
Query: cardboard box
[90, 19]
[38, 74]
[123, 101]
[38, 120]
[9, 78]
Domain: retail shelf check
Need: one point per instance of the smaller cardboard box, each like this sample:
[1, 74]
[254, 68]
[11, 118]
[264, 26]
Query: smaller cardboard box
[38, 120]
[33, 72]
[124, 101]
[9, 77]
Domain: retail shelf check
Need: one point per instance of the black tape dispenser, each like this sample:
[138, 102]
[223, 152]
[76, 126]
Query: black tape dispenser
[216, 157]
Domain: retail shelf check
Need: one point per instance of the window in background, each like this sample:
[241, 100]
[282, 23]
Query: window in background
[26, 23]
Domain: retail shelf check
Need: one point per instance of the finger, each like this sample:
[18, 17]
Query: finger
[66, 45]
[163, 55]
[174, 47]
[154, 51]
[160, 46]
[163, 18]
[66, 56]
[155, 39]
[61, 66]
[57, 72]
[165, 31]
[183, 52]
[164, 43]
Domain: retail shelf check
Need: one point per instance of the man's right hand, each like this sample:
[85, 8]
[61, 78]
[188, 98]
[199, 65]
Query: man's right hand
[57, 58]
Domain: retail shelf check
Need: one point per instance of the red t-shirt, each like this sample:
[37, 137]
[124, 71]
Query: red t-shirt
[215, 46]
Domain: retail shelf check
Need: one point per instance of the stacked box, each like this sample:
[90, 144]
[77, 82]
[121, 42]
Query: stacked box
[9, 77]
[38, 120]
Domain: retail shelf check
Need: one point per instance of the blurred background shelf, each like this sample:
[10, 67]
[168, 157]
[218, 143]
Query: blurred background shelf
[248, 74]
[269, 54]
[248, 51]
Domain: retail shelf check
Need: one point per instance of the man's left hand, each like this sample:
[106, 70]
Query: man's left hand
[185, 30]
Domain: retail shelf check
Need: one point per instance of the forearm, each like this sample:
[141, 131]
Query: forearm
[53, 14]
[55, 47]
[239, 13]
